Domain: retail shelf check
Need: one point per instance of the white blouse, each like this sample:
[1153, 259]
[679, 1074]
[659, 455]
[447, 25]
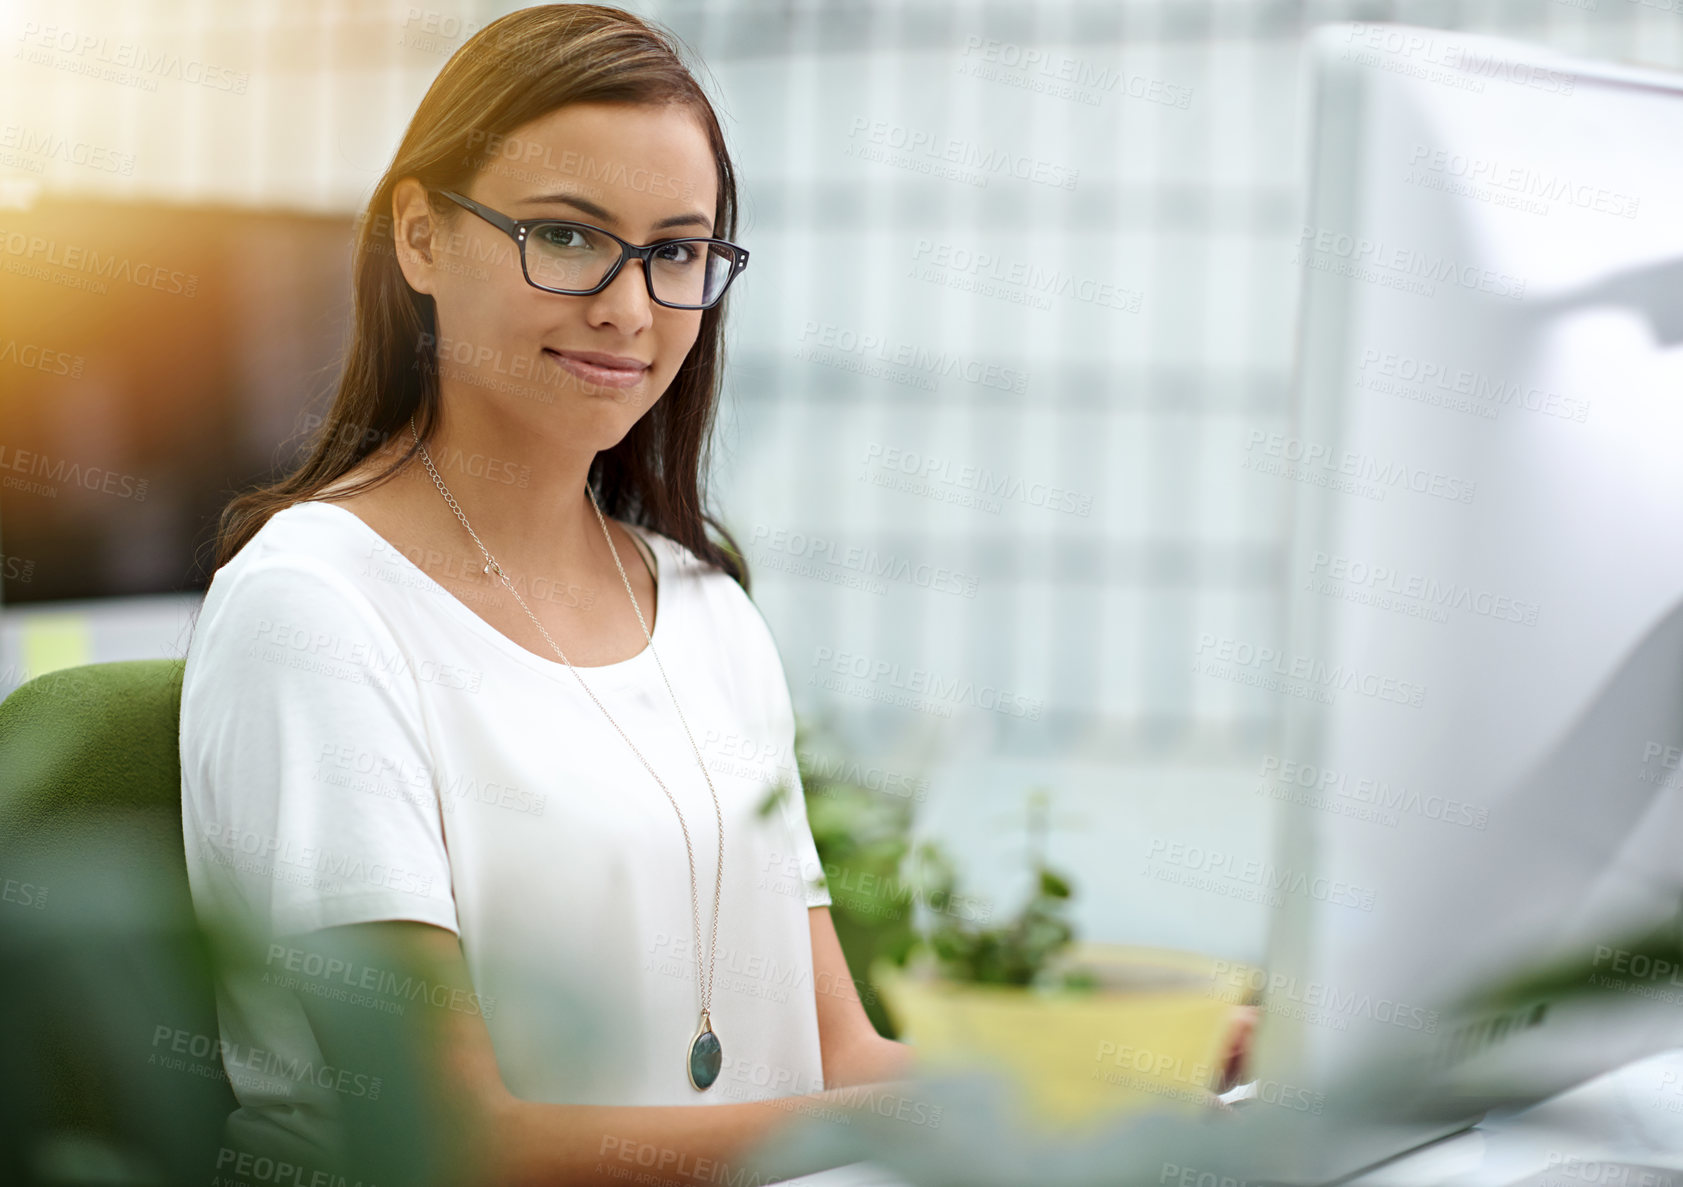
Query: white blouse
[357, 744]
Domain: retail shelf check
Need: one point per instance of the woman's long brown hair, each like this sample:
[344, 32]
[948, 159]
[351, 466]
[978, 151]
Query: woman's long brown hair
[516, 69]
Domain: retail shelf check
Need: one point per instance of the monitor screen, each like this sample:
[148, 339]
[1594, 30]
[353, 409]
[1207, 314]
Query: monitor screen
[1482, 672]
[153, 361]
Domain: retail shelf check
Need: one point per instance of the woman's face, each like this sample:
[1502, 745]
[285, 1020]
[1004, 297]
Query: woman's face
[644, 173]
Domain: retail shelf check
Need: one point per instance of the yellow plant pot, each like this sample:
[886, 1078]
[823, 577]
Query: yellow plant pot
[1154, 1035]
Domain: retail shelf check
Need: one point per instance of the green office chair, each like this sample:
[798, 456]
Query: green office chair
[109, 1069]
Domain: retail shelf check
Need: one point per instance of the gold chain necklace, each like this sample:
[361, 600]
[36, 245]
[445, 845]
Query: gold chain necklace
[704, 1056]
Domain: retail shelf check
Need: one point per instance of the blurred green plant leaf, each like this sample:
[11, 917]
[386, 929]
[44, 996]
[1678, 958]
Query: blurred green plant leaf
[879, 878]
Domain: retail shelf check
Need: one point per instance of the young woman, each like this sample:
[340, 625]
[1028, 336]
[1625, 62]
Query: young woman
[454, 687]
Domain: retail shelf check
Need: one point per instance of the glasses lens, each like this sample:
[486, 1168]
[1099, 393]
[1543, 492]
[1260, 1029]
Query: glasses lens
[568, 255]
[692, 271]
[576, 257]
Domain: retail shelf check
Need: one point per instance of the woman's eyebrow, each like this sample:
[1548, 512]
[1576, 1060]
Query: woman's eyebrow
[601, 214]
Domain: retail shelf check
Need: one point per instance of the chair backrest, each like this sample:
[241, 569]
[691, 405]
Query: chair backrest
[86, 740]
[108, 996]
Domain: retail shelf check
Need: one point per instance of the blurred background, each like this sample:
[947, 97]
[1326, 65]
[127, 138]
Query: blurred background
[1022, 287]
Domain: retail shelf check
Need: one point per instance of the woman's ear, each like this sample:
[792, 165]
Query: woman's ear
[413, 226]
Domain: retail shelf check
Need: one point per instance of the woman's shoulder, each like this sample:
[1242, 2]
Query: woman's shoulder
[308, 532]
[305, 559]
[731, 612]
[678, 561]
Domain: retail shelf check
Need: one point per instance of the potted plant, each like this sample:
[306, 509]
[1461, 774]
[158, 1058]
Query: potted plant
[1081, 1031]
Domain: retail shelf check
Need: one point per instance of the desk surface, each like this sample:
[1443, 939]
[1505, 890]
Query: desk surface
[1588, 1136]
[1632, 1115]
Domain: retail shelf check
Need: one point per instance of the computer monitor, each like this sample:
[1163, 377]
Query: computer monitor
[154, 360]
[1482, 669]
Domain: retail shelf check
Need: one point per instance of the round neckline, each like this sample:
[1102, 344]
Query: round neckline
[550, 667]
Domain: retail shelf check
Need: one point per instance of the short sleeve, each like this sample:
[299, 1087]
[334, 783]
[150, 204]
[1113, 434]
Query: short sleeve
[779, 712]
[306, 779]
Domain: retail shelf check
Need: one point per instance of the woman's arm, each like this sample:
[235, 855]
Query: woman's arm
[854, 1053]
[486, 1136]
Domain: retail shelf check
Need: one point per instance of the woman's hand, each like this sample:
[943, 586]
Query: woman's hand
[1243, 1026]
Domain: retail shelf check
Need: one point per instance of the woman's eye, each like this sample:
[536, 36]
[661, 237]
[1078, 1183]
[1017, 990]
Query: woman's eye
[678, 253]
[557, 236]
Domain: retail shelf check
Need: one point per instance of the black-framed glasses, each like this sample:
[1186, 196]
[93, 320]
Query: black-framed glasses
[578, 259]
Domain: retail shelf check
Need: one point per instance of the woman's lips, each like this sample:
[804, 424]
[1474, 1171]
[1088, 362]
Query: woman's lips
[599, 375]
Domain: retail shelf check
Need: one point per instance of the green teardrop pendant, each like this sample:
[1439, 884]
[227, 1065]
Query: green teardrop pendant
[706, 1056]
